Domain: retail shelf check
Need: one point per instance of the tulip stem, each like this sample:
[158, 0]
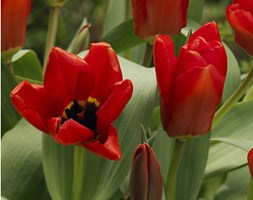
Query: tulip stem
[248, 81]
[148, 55]
[51, 33]
[10, 66]
[170, 186]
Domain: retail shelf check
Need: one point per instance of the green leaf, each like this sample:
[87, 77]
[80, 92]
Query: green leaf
[122, 37]
[195, 10]
[94, 177]
[235, 125]
[235, 187]
[163, 147]
[9, 116]
[233, 75]
[22, 173]
[26, 64]
[243, 144]
[192, 167]
[116, 14]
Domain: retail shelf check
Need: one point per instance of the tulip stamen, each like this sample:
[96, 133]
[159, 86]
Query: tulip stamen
[84, 112]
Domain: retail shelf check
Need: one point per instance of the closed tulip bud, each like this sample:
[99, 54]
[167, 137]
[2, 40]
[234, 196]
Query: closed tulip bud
[146, 177]
[240, 16]
[159, 16]
[191, 85]
[14, 16]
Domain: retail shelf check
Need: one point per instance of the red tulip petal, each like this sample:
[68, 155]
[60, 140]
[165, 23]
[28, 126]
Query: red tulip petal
[114, 105]
[242, 23]
[67, 78]
[165, 60]
[13, 23]
[70, 132]
[31, 103]
[250, 161]
[213, 52]
[110, 149]
[245, 4]
[197, 94]
[208, 31]
[152, 17]
[107, 72]
[187, 60]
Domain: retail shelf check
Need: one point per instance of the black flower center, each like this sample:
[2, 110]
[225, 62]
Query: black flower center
[84, 112]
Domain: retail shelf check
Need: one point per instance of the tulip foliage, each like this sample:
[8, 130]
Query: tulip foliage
[169, 118]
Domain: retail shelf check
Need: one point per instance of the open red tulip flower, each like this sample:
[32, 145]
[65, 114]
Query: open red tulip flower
[14, 16]
[190, 85]
[240, 17]
[159, 17]
[79, 99]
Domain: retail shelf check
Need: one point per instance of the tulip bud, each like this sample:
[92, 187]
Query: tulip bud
[240, 17]
[14, 16]
[190, 85]
[56, 3]
[146, 177]
[159, 17]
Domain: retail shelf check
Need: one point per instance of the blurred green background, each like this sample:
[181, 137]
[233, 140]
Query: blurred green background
[74, 11]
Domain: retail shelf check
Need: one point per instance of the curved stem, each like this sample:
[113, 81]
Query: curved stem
[235, 96]
[51, 33]
[250, 189]
[148, 55]
[170, 186]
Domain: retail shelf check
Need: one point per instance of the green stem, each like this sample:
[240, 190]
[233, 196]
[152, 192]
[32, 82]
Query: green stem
[235, 96]
[128, 10]
[250, 189]
[51, 33]
[148, 55]
[10, 66]
[170, 186]
[249, 94]
[78, 173]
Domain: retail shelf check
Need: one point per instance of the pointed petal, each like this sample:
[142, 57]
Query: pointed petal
[209, 31]
[107, 72]
[197, 94]
[110, 149]
[70, 132]
[67, 78]
[114, 105]
[31, 103]
[165, 60]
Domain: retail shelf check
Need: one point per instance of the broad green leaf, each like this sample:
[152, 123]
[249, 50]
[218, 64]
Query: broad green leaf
[233, 75]
[235, 187]
[122, 37]
[22, 173]
[192, 167]
[243, 144]
[163, 147]
[94, 177]
[116, 14]
[9, 116]
[26, 64]
[195, 10]
[237, 125]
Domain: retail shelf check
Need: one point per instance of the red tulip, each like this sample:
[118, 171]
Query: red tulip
[159, 17]
[191, 85]
[146, 177]
[14, 16]
[250, 161]
[240, 17]
[79, 99]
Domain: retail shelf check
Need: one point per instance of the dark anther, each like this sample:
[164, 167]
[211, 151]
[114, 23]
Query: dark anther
[84, 115]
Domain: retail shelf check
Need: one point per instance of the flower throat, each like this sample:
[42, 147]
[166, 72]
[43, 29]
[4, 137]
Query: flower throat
[84, 112]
